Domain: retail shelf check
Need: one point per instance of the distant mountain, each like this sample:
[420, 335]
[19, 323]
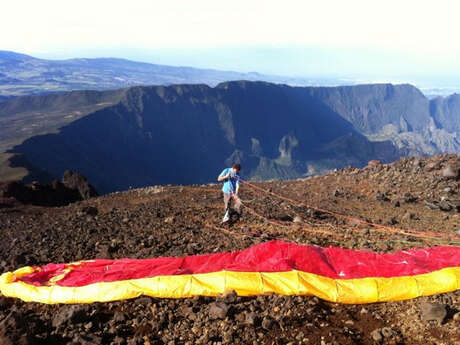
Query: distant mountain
[186, 134]
[25, 75]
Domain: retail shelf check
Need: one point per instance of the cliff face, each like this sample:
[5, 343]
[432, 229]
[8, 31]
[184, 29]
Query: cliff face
[186, 134]
[372, 108]
[398, 113]
[446, 112]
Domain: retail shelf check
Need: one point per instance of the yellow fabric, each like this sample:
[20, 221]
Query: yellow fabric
[364, 290]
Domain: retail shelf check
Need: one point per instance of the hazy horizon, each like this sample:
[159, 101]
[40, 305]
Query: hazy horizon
[429, 84]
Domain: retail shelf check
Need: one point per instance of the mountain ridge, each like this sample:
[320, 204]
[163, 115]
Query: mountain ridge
[147, 135]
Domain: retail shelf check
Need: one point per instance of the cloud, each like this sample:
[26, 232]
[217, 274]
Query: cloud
[390, 24]
[423, 29]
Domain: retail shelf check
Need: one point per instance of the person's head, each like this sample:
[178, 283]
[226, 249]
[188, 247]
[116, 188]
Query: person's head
[236, 167]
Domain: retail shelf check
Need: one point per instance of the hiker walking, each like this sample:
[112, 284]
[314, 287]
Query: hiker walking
[231, 179]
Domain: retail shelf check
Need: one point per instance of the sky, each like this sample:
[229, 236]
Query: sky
[360, 38]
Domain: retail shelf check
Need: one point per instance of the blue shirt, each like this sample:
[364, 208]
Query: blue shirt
[230, 184]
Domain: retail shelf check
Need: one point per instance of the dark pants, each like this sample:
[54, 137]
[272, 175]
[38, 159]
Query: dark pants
[230, 202]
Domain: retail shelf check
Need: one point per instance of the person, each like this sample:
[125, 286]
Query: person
[231, 179]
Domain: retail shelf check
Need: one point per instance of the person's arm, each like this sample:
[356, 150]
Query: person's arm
[223, 177]
[237, 188]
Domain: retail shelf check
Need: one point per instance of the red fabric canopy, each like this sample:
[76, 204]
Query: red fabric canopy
[274, 256]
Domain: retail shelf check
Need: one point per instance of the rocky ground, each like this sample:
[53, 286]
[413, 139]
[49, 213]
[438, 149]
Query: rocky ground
[419, 195]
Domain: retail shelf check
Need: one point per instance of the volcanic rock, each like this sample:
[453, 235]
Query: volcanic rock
[74, 180]
[41, 235]
[387, 332]
[251, 318]
[373, 162]
[377, 335]
[445, 206]
[451, 172]
[433, 311]
[432, 166]
[431, 205]
[297, 219]
[73, 188]
[218, 310]
[230, 296]
[73, 314]
[268, 323]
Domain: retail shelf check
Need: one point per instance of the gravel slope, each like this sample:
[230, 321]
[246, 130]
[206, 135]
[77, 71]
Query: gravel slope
[184, 220]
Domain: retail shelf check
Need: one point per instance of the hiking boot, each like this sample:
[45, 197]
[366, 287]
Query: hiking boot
[226, 217]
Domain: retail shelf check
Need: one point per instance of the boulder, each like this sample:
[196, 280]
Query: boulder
[450, 172]
[432, 166]
[74, 187]
[74, 180]
[218, 310]
[433, 311]
[373, 163]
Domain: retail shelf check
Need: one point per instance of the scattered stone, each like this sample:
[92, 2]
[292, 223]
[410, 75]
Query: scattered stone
[408, 198]
[445, 206]
[387, 332]
[119, 317]
[432, 166]
[431, 205]
[118, 341]
[456, 317]
[450, 172]
[374, 163]
[297, 219]
[433, 311]
[381, 196]
[64, 235]
[449, 190]
[73, 314]
[104, 252]
[377, 335]
[251, 318]
[337, 193]
[455, 204]
[409, 216]
[392, 221]
[89, 210]
[169, 220]
[218, 310]
[230, 296]
[88, 340]
[144, 301]
[268, 323]
[285, 218]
